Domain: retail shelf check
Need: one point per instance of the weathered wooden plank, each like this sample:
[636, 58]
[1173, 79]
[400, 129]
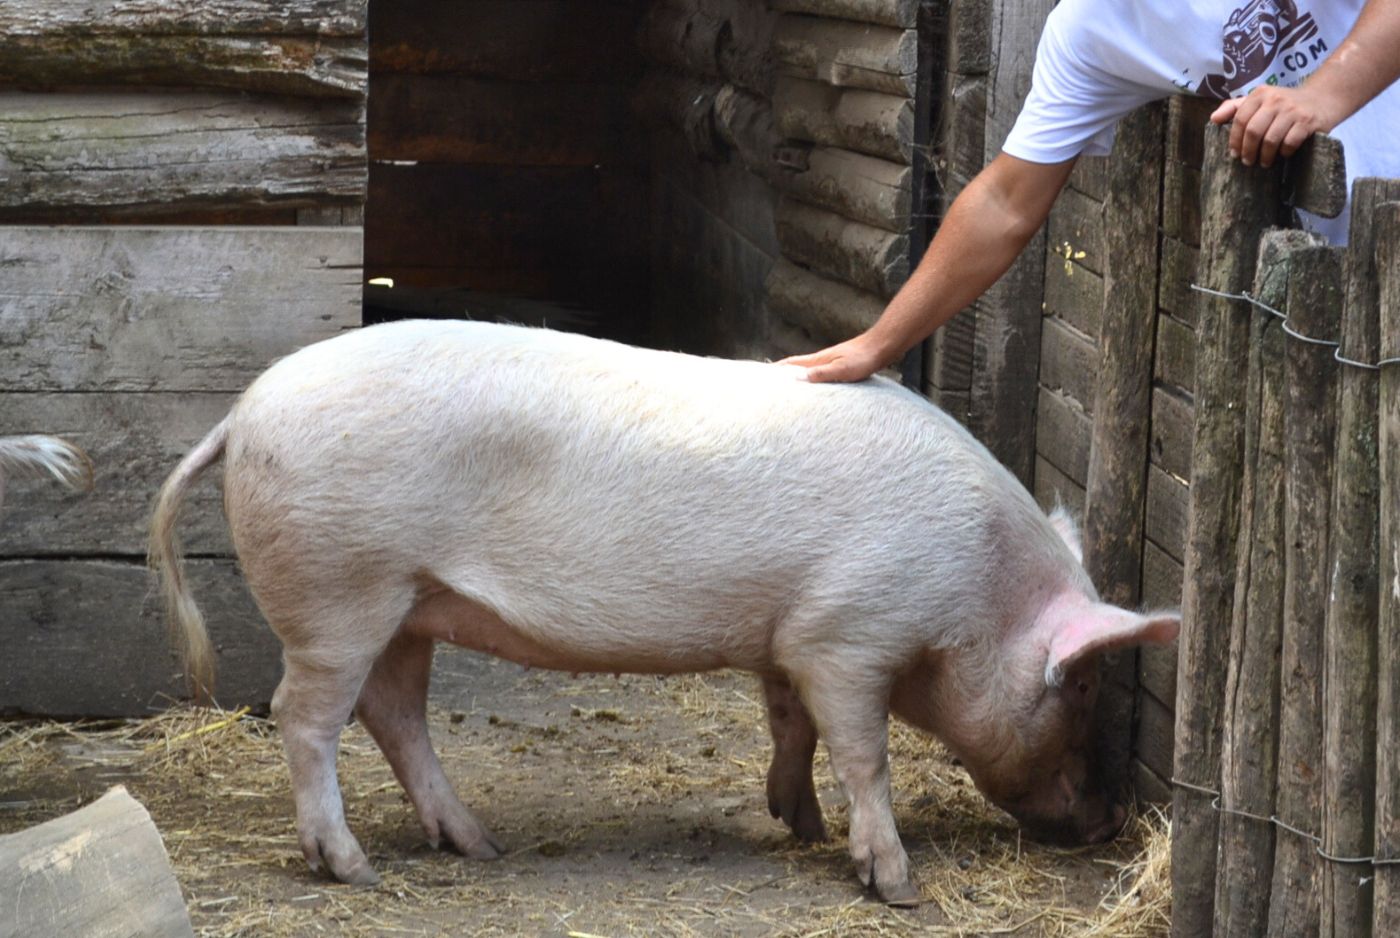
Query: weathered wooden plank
[851, 55]
[901, 13]
[146, 153]
[1249, 740]
[1090, 176]
[1076, 230]
[727, 189]
[135, 440]
[1168, 510]
[1387, 265]
[1350, 642]
[1074, 294]
[1063, 434]
[1181, 202]
[1175, 360]
[864, 121]
[826, 308]
[949, 367]
[542, 40]
[1008, 314]
[169, 309]
[684, 37]
[862, 188]
[1148, 786]
[461, 119]
[1157, 671]
[100, 871]
[88, 638]
[969, 37]
[1161, 589]
[1316, 177]
[863, 256]
[1238, 204]
[1069, 363]
[1315, 291]
[963, 132]
[286, 65]
[1173, 424]
[1187, 117]
[1052, 487]
[1154, 742]
[184, 18]
[1180, 262]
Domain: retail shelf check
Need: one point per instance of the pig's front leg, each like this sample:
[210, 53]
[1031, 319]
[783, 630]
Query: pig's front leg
[791, 794]
[849, 702]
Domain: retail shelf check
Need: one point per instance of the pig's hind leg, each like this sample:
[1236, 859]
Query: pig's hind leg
[791, 794]
[393, 707]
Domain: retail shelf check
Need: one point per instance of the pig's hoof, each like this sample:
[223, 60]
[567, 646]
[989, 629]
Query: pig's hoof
[903, 895]
[344, 860]
[471, 839]
[799, 809]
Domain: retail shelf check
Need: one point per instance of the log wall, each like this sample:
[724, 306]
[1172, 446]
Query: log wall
[238, 128]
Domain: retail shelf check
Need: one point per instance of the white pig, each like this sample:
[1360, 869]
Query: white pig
[44, 455]
[575, 504]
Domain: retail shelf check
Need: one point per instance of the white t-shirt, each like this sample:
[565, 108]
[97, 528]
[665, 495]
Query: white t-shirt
[1098, 60]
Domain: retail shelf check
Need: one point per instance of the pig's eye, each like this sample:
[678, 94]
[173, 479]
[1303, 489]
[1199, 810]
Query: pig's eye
[1083, 687]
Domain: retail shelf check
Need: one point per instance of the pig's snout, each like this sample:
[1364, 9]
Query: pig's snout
[1096, 825]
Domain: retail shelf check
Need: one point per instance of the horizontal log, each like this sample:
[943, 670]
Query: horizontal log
[88, 638]
[1069, 362]
[183, 18]
[1178, 272]
[1052, 487]
[1173, 425]
[827, 309]
[1074, 293]
[100, 870]
[168, 309]
[1076, 231]
[862, 188]
[1167, 512]
[857, 254]
[135, 441]
[864, 121]
[901, 13]
[744, 122]
[143, 153]
[292, 65]
[1316, 178]
[1062, 435]
[1175, 360]
[459, 119]
[542, 40]
[851, 55]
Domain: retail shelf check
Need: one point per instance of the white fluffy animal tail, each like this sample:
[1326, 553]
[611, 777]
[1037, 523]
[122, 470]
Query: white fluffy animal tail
[40, 455]
[186, 622]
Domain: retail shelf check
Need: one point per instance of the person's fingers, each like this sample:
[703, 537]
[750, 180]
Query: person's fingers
[822, 374]
[811, 358]
[1244, 112]
[1297, 135]
[1272, 138]
[1253, 133]
[1226, 112]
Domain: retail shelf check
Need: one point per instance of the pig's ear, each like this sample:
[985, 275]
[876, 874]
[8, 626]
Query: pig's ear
[1099, 627]
[1063, 523]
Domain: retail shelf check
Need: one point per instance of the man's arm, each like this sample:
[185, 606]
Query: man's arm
[986, 228]
[1272, 121]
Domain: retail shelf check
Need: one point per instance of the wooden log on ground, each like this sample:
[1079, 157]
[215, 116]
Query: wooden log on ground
[851, 55]
[901, 13]
[100, 872]
[1008, 314]
[1238, 203]
[1315, 292]
[145, 153]
[1315, 179]
[1349, 679]
[1117, 483]
[849, 251]
[864, 121]
[1249, 739]
[862, 188]
[1387, 877]
[829, 309]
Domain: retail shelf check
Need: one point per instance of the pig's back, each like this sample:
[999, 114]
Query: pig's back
[592, 469]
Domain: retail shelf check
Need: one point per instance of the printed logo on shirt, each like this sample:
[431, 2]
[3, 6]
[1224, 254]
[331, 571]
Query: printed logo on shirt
[1258, 35]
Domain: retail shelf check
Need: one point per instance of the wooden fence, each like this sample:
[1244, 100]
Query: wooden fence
[1286, 807]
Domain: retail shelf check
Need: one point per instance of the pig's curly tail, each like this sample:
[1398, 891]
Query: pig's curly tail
[184, 618]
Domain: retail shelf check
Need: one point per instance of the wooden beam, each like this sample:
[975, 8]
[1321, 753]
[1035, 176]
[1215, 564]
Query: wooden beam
[101, 870]
[169, 309]
[829, 309]
[901, 13]
[1316, 177]
[1174, 365]
[862, 188]
[134, 154]
[1075, 294]
[851, 55]
[864, 121]
[1063, 435]
[857, 254]
[1069, 363]
[184, 18]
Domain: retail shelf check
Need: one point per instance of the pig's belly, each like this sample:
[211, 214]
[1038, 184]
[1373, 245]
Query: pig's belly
[448, 616]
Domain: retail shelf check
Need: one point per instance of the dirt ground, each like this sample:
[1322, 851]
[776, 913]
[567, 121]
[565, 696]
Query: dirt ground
[629, 806]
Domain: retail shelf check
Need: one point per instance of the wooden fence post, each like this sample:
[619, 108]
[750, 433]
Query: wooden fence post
[1387, 877]
[1314, 310]
[1249, 738]
[1349, 675]
[1116, 492]
[1238, 203]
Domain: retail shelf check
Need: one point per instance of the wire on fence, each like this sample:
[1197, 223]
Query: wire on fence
[1259, 304]
[1277, 822]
